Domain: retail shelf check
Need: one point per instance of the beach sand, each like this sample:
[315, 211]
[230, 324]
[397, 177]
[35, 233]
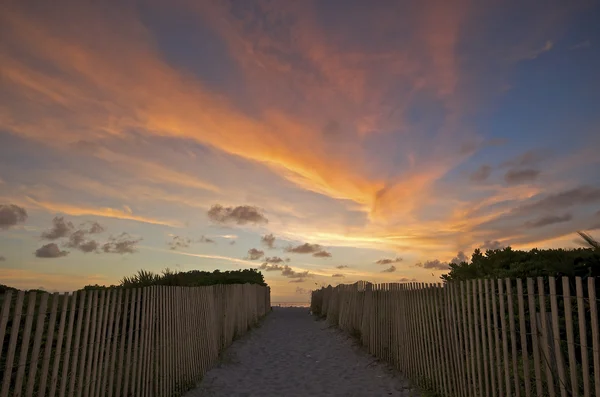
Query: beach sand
[292, 354]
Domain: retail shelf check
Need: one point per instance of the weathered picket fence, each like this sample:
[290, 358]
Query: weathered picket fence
[152, 341]
[529, 337]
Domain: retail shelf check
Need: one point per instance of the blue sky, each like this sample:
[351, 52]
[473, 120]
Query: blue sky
[399, 131]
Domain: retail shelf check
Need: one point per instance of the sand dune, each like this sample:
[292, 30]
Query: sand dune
[291, 354]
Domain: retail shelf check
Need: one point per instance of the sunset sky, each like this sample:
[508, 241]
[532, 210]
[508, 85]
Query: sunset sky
[368, 140]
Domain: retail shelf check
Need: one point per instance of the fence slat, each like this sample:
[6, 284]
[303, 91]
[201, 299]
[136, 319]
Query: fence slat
[89, 335]
[107, 349]
[595, 332]
[478, 346]
[65, 369]
[545, 339]
[136, 330]
[523, 334]
[484, 345]
[31, 301]
[48, 345]
[506, 359]
[562, 378]
[142, 342]
[37, 342]
[97, 328]
[497, 340]
[572, 364]
[585, 367]
[129, 330]
[464, 293]
[4, 315]
[12, 344]
[490, 331]
[513, 337]
[534, 337]
[78, 373]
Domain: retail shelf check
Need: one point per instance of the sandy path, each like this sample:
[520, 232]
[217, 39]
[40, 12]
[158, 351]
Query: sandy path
[291, 354]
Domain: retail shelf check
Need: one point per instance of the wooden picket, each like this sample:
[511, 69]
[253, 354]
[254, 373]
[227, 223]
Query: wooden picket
[477, 337]
[152, 341]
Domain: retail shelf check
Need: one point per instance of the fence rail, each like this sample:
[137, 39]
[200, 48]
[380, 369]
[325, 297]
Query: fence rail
[524, 338]
[152, 341]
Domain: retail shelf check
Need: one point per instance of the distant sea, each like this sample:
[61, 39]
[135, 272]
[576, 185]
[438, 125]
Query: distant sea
[291, 304]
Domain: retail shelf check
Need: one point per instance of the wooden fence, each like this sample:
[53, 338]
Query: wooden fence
[524, 338]
[152, 341]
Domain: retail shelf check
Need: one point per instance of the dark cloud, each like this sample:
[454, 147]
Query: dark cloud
[548, 220]
[77, 240]
[434, 264]
[207, 240]
[305, 248]
[492, 245]
[268, 241]
[302, 291]
[89, 246]
[322, 254]
[254, 254]
[270, 268]
[515, 177]
[240, 215]
[121, 244]
[527, 159]
[573, 197]
[275, 259]
[92, 227]
[179, 242]
[407, 280]
[2, 258]
[482, 174]
[11, 214]
[288, 272]
[298, 280]
[390, 269]
[337, 275]
[342, 266]
[388, 261]
[459, 258]
[315, 249]
[232, 242]
[50, 251]
[60, 228]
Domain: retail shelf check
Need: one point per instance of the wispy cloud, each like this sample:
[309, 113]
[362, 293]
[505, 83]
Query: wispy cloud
[103, 212]
[548, 45]
[548, 220]
[582, 45]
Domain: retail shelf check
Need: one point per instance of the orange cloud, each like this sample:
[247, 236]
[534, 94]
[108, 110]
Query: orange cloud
[113, 79]
[104, 212]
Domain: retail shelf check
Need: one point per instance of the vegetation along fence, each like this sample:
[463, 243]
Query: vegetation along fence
[152, 341]
[509, 337]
